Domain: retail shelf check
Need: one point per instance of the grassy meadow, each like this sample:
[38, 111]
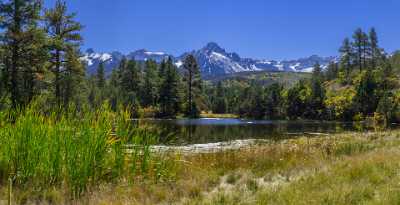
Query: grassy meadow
[68, 128]
[99, 158]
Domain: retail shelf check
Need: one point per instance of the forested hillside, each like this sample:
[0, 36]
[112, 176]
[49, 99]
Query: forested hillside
[41, 61]
[364, 83]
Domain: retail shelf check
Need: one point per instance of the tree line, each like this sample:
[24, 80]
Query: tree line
[40, 61]
[158, 90]
[362, 83]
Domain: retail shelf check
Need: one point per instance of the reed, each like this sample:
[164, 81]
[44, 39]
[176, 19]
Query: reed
[75, 152]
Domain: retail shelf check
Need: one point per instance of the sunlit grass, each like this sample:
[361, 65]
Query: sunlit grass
[100, 158]
[285, 172]
[214, 115]
[40, 152]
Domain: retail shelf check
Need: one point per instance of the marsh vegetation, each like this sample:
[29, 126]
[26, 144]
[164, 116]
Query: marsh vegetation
[67, 135]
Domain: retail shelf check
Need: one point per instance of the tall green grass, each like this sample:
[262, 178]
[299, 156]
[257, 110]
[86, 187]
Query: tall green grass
[76, 152]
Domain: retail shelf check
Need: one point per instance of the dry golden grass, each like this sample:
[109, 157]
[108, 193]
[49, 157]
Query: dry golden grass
[214, 115]
[351, 168]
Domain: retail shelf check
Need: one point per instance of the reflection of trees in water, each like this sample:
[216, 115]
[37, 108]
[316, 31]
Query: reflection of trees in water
[218, 133]
[171, 132]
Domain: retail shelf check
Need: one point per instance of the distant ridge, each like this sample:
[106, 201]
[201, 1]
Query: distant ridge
[213, 61]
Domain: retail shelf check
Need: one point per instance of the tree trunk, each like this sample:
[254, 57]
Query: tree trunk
[15, 95]
[16, 30]
[58, 78]
[190, 93]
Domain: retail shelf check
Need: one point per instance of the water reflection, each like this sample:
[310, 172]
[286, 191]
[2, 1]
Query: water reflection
[208, 130]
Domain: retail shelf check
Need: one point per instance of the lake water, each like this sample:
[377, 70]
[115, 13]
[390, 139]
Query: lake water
[211, 130]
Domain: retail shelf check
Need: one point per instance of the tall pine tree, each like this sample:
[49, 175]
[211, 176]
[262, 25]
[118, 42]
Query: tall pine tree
[64, 35]
[169, 93]
[376, 52]
[151, 84]
[130, 80]
[193, 80]
[72, 78]
[101, 76]
[359, 46]
[113, 91]
[316, 103]
[23, 48]
[346, 57]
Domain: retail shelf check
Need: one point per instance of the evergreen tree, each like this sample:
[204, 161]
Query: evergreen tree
[365, 100]
[257, 104]
[130, 80]
[316, 104]
[317, 72]
[274, 101]
[72, 78]
[254, 106]
[64, 35]
[151, 84]
[100, 76]
[101, 90]
[346, 56]
[220, 104]
[361, 45]
[93, 93]
[163, 68]
[99, 84]
[332, 71]
[36, 57]
[193, 79]
[169, 92]
[113, 89]
[366, 49]
[3, 82]
[23, 46]
[376, 52]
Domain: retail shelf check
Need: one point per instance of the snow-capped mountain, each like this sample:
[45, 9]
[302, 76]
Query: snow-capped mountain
[144, 55]
[93, 59]
[212, 59]
[113, 59]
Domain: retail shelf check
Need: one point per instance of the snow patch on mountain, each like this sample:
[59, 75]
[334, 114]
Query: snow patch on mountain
[307, 70]
[212, 59]
[154, 53]
[228, 64]
[179, 63]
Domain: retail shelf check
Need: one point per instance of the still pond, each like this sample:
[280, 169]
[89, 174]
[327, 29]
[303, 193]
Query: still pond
[211, 130]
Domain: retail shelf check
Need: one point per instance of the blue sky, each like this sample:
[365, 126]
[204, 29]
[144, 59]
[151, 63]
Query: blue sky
[268, 29]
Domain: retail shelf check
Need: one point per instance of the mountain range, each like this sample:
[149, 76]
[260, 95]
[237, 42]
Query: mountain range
[212, 59]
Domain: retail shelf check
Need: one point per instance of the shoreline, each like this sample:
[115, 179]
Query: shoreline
[308, 170]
